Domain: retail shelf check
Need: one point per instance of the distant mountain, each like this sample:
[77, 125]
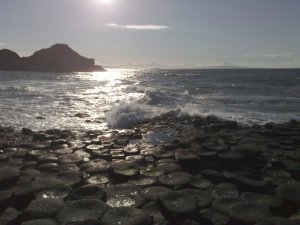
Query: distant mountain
[57, 58]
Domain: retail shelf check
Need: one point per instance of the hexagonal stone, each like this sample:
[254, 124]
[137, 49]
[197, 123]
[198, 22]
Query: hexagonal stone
[266, 200]
[249, 213]
[276, 221]
[82, 212]
[203, 197]
[200, 182]
[152, 193]
[89, 191]
[43, 208]
[168, 167]
[153, 172]
[223, 204]
[144, 181]
[124, 195]
[175, 179]
[215, 217]
[224, 190]
[289, 194]
[177, 204]
[126, 216]
[40, 222]
[9, 215]
[98, 180]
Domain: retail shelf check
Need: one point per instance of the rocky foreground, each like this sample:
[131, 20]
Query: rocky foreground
[212, 172]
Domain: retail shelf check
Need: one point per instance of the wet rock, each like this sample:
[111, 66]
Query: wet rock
[215, 217]
[55, 193]
[70, 178]
[173, 202]
[144, 181]
[276, 221]
[246, 183]
[249, 213]
[126, 216]
[124, 195]
[9, 216]
[70, 158]
[265, 200]
[152, 172]
[97, 166]
[250, 150]
[223, 204]
[175, 179]
[82, 212]
[8, 176]
[98, 180]
[214, 176]
[296, 217]
[163, 154]
[224, 190]
[168, 167]
[152, 193]
[88, 191]
[199, 182]
[43, 208]
[122, 175]
[187, 158]
[290, 198]
[203, 197]
[40, 222]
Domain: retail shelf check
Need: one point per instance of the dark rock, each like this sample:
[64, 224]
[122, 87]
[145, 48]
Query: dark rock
[43, 208]
[199, 182]
[168, 167]
[124, 195]
[9, 216]
[152, 172]
[152, 193]
[223, 204]
[276, 221]
[173, 202]
[98, 180]
[215, 217]
[126, 216]
[214, 176]
[175, 179]
[249, 213]
[203, 197]
[224, 190]
[57, 58]
[82, 212]
[265, 200]
[40, 222]
[144, 181]
[88, 191]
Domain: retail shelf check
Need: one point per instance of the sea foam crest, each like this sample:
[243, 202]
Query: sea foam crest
[154, 104]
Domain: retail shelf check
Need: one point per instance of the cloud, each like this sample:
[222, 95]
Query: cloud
[138, 27]
[279, 55]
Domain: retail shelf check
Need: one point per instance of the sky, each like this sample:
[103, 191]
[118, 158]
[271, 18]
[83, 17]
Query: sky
[159, 33]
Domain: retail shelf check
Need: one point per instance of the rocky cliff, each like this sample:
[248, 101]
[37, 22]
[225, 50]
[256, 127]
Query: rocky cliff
[57, 58]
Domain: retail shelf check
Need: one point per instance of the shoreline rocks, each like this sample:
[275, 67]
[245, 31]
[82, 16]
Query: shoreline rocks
[213, 173]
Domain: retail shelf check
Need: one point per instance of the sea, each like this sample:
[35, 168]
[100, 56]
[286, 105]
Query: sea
[120, 98]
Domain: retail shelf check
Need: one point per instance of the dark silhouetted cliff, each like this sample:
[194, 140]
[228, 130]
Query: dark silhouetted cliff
[57, 58]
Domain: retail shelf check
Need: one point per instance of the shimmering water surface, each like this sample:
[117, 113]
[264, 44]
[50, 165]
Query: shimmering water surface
[118, 98]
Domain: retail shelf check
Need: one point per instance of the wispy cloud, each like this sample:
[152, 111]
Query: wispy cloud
[279, 55]
[138, 27]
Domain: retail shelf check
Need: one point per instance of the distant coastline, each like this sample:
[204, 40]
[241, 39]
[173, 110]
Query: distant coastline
[57, 58]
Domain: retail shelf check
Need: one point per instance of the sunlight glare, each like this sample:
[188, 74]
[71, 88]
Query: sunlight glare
[106, 1]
